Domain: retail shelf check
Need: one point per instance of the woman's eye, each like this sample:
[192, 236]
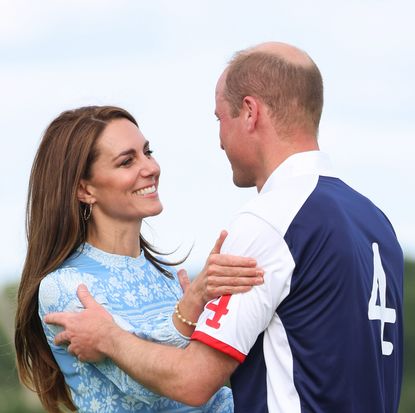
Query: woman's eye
[148, 152]
[126, 162]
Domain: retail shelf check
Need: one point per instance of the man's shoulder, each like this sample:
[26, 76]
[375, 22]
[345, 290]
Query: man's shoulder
[279, 206]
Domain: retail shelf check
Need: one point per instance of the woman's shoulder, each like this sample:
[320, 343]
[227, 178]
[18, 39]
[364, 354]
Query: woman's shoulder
[59, 286]
[72, 269]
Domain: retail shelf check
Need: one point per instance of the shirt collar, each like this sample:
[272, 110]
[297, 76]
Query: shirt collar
[302, 163]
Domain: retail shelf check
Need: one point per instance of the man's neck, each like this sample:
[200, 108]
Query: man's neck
[273, 158]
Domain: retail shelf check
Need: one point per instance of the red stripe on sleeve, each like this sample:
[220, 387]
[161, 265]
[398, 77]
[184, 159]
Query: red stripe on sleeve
[218, 345]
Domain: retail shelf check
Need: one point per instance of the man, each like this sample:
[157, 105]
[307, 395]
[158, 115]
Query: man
[324, 331]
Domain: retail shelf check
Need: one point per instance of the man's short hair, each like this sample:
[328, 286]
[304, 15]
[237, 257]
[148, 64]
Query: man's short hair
[293, 92]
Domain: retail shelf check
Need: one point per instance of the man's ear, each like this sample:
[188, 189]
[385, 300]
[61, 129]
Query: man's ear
[250, 112]
[85, 192]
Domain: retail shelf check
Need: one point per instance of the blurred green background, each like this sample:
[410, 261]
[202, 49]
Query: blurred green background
[16, 399]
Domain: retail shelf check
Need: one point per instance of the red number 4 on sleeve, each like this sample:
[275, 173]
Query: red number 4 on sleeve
[219, 309]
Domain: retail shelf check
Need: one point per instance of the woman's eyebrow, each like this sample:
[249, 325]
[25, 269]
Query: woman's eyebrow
[126, 152]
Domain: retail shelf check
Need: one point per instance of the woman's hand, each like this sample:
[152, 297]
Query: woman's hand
[225, 274]
[221, 275]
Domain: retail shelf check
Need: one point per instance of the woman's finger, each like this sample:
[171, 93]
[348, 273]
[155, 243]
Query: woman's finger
[218, 281]
[231, 260]
[219, 242]
[183, 279]
[222, 271]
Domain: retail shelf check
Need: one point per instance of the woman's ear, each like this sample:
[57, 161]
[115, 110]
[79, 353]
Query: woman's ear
[85, 192]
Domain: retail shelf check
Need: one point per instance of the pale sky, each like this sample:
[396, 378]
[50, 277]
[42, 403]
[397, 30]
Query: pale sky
[160, 60]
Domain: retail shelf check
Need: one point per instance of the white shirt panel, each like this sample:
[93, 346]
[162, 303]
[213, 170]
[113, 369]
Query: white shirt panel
[299, 164]
[282, 395]
[250, 313]
[279, 206]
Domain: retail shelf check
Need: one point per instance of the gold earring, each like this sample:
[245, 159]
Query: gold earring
[87, 212]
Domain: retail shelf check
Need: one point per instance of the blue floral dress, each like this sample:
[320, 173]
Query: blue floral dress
[141, 300]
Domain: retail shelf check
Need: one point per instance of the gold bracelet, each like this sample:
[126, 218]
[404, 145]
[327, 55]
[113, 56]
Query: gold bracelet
[181, 318]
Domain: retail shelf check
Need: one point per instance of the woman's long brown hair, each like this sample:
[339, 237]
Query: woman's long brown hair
[55, 229]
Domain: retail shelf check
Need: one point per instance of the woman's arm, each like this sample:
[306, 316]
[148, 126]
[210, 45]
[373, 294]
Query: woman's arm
[221, 275]
[57, 292]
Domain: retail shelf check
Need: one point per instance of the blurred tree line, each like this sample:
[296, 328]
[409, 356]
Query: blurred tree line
[15, 399]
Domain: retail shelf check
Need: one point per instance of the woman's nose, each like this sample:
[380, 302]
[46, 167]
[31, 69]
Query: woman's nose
[151, 167]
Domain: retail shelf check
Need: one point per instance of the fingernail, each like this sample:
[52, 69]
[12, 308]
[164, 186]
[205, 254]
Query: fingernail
[252, 262]
[259, 273]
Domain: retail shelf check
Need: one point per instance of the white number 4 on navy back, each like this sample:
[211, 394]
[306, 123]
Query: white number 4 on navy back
[380, 311]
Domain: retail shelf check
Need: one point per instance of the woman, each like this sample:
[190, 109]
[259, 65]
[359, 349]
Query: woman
[93, 181]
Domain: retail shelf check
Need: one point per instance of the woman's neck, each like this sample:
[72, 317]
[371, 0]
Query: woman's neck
[116, 239]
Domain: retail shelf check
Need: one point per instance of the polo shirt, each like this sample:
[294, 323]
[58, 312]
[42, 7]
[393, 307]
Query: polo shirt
[324, 331]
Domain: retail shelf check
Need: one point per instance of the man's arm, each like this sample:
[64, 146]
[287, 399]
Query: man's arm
[190, 375]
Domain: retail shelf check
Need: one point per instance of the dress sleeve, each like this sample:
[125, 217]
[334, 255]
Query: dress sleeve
[161, 328]
[57, 292]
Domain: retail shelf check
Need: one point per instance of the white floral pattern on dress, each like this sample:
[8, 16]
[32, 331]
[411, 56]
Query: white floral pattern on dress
[141, 300]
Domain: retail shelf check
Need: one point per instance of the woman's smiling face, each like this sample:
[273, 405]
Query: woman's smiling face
[124, 178]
